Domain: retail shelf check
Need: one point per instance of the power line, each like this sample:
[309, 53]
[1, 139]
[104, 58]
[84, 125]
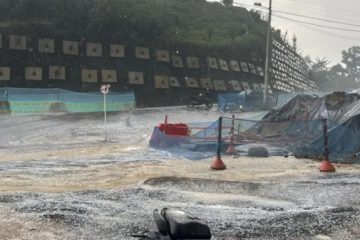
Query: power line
[316, 18]
[326, 7]
[319, 9]
[299, 15]
[318, 25]
[325, 11]
[302, 23]
[328, 33]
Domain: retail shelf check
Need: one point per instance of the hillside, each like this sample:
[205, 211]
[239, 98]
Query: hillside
[75, 45]
[148, 22]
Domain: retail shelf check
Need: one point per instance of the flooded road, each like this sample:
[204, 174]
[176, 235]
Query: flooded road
[60, 180]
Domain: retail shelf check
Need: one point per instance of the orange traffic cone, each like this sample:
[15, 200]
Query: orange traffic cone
[231, 149]
[218, 164]
[326, 166]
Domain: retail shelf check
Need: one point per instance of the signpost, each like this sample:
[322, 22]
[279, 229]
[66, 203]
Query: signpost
[105, 91]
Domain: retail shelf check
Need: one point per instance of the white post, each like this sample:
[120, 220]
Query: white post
[106, 136]
[104, 90]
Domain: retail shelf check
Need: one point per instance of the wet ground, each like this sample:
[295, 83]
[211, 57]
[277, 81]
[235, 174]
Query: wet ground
[60, 180]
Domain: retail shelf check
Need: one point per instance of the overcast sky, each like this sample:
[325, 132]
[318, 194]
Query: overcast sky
[312, 40]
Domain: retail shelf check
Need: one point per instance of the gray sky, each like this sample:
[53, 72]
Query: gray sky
[312, 40]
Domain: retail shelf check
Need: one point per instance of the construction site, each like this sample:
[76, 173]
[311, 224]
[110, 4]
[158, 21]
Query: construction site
[179, 120]
[62, 177]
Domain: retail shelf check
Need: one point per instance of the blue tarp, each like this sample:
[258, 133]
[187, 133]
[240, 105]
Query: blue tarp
[28, 100]
[242, 101]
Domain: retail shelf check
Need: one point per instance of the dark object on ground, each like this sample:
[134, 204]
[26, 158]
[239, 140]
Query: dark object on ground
[160, 222]
[201, 99]
[181, 225]
[258, 152]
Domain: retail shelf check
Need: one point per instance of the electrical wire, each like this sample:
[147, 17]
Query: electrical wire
[316, 18]
[302, 23]
[296, 14]
[318, 25]
[326, 7]
[317, 29]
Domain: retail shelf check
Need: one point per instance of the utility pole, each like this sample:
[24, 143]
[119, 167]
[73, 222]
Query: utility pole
[268, 54]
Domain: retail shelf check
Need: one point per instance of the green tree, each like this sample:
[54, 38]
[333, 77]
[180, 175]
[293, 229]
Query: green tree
[320, 65]
[319, 71]
[228, 3]
[294, 43]
[235, 30]
[351, 59]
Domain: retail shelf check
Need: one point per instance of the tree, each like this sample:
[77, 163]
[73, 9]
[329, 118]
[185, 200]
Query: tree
[284, 36]
[235, 30]
[294, 43]
[210, 32]
[308, 60]
[319, 71]
[351, 59]
[228, 3]
[320, 65]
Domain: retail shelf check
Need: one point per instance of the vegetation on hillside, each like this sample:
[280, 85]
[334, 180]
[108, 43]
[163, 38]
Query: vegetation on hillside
[137, 21]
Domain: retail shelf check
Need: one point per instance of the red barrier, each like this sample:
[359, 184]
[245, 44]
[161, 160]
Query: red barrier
[178, 129]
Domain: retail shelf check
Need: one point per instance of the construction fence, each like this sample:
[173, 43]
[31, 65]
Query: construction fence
[299, 138]
[34, 101]
[252, 100]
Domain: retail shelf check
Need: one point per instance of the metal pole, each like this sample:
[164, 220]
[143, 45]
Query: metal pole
[268, 53]
[326, 141]
[232, 129]
[231, 148]
[165, 123]
[218, 153]
[326, 165]
[106, 136]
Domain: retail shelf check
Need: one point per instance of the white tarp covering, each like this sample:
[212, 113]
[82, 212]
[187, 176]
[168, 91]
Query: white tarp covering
[57, 73]
[117, 51]
[234, 65]
[17, 42]
[219, 85]
[191, 82]
[33, 73]
[5, 73]
[212, 63]
[94, 49]
[108, 76]
[174, 82]
[46, 45]
[142, 53]
[162, 55]
[192, 62]
[89, 75]
[206, 83]
[177, 61]
[223, 65]
[70, 47]
[235, 85]
[136, 78]
[161, 82]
